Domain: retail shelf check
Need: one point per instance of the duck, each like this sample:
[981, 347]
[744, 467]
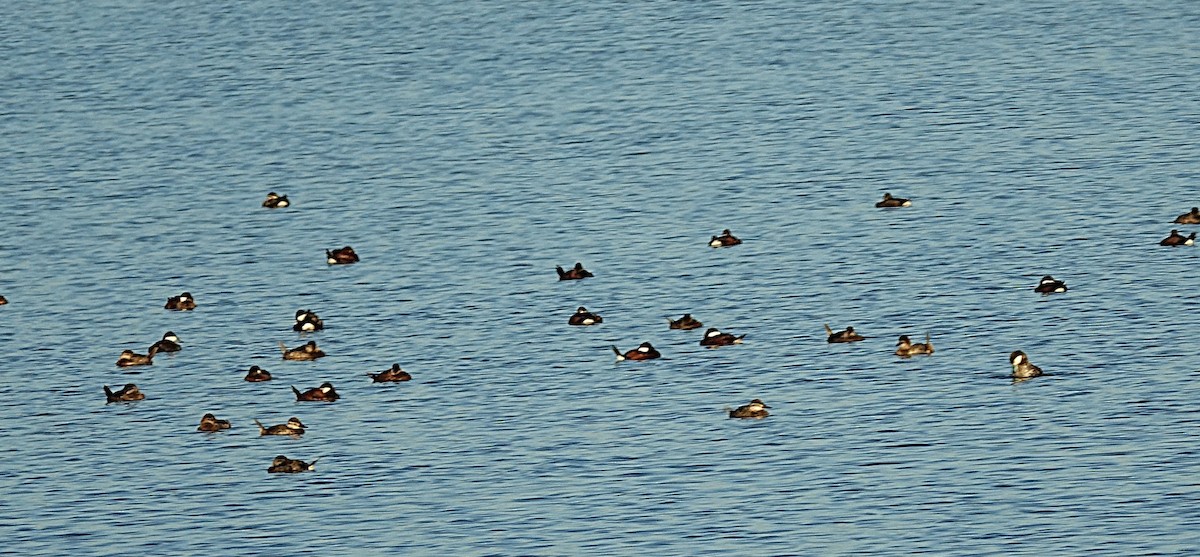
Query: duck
[714, 337]
[726, 239]
[182, 302]
[307, 321]
[756, 409]
[644, 351]
[905, 348]
[169, 343]
[342, 256]
[576, 273]
[1189, 218]
[276, 201]
[889, 201]
[307, 351]
[210, 422]
[324, 393]
[584, 317]
[293, 427]
[390, 375]
[127, 393]
[1022, 369]
[257, 375]
[1177, 239]
[284, 465]
[686, 323]
[843, 336]
[1049, 285]
[129, 358]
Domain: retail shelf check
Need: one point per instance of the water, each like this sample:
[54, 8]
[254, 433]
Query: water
[466, 149]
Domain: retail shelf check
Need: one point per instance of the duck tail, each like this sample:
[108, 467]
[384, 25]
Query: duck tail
[561, 272]
[313, 465]
[616, 351]
[283, 347]
[928, 343]
[828, 331]
[262, 430]
[108, 394]
[297, 391]
[738, 340]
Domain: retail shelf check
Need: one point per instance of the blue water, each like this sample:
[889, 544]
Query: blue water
[464, 149]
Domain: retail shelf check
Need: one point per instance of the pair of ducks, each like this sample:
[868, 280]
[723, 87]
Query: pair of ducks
[182, 302]
[646, 351]
[905, 347]
[307, 322]
[168, 343]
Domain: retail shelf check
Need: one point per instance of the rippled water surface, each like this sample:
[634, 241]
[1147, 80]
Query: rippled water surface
[466, 148]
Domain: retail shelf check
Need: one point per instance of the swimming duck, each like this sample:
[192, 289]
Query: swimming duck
[308, 351]
[642, 352]
[842, 336]
[584, 317]
[257, 375]
[1189, 218]
[181, 302]
[285, 465]
[1177, 239]
[1022, 369]
[713, 337]
[725, 240]
[127, 393]
[905, 348]
[390, 375]
[293, 427]
[756, 409]
[889, 201]
[210, 423]
[129, 358]
[1048, 285]
[576, 273]
[169, 343]
[324, 393]
[307, 321]
[276, 201]
[343, 256]
[686, 323]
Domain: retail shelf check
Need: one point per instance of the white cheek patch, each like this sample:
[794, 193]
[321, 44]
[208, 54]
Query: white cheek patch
[326, 389]
[714, 334]
[643, 349]
[1018, 359]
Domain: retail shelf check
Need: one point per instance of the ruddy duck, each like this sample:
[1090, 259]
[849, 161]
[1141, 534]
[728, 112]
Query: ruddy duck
[756, 409]
[293, 427]
[3, 300]
[584, 317]
[576, 273]
[343, 256]
[390, 375]
[324, 393]
[905, 348]
[686, 323]
[257, 375]
[307, 321]
[1177, 239]
[276, 201]
[725, 240]
[1189, 218]
[181, 302]
[285, 465]
[713, 337]
[642, 352]
[1048, 285]
[129, 358]
[210, 423]
[842, 336]
[127, 393]
[308, 351]
[1022, 369]
[169, 343]
[889, 201]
